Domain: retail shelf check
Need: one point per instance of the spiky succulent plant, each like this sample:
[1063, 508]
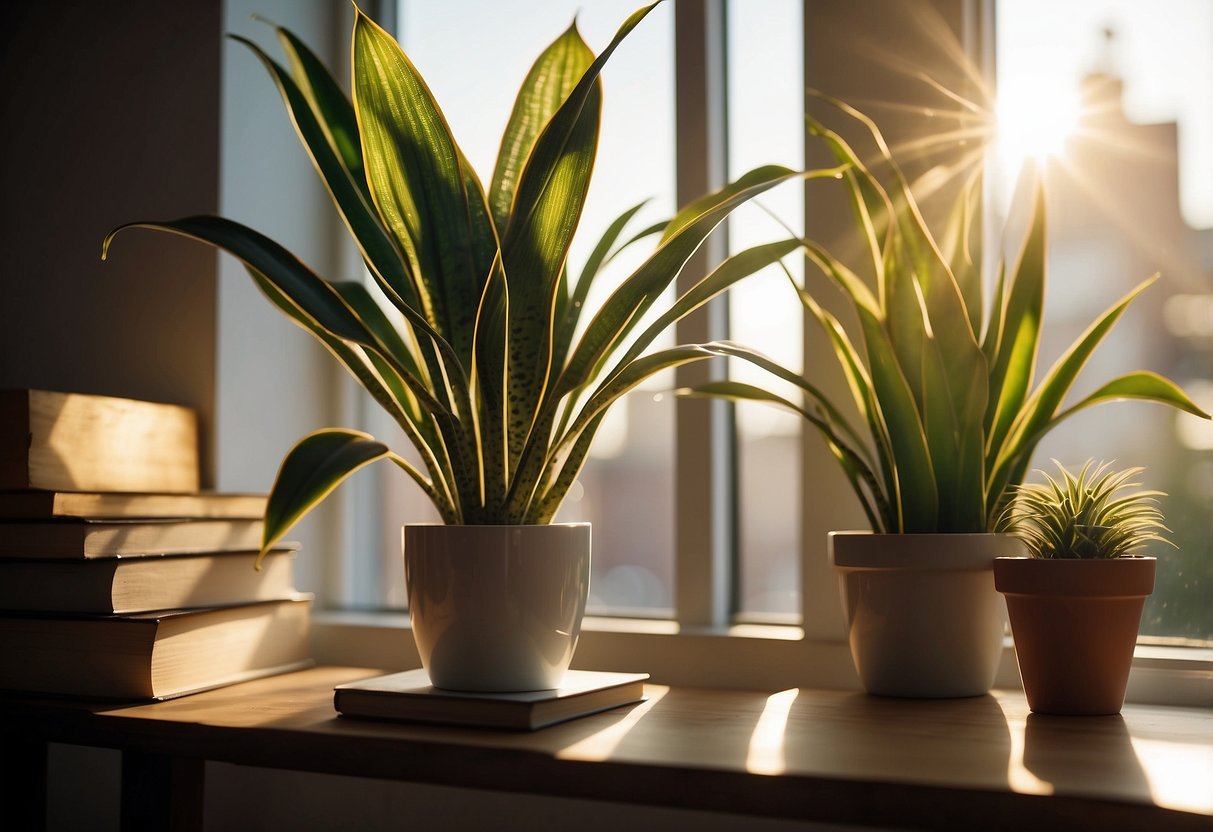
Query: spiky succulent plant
[1093, 514]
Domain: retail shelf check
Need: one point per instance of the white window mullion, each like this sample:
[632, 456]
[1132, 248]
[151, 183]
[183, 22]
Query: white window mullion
[704, 501]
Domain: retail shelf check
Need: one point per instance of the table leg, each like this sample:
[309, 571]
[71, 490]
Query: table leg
[162, 791]
[23, 786]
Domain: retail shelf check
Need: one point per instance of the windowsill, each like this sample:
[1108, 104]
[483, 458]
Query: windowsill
[740, 656]
[815, 755]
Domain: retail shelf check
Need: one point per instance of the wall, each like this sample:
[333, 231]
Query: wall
[109, 116]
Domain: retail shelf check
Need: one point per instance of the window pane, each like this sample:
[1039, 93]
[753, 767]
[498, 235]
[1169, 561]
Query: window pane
[1130, 193]
[474, 55]
[766, 126]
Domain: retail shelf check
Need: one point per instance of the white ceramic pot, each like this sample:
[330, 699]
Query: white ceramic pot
[923, 617]
[497, 608]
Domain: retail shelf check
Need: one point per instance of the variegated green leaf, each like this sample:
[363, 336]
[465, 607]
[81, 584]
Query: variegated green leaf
[317, 464]
[324, 133]
[551, 78]
[416, 178]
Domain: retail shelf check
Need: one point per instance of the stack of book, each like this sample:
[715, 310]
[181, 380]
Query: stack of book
[119, 578]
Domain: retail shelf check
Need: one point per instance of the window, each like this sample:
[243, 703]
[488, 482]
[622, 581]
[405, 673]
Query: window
[784, 500]
[1120, 96]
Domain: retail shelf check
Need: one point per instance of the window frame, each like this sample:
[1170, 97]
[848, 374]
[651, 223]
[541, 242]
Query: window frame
[703, 644]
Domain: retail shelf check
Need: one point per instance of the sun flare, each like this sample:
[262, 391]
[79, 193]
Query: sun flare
[1034, 120]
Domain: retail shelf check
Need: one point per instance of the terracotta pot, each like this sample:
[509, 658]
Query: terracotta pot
[1075, 625]
[923, 618]
[497, 608]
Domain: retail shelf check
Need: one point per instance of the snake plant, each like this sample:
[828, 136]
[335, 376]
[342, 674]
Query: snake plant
[1085, 515]
[470, 333]
[943, 386]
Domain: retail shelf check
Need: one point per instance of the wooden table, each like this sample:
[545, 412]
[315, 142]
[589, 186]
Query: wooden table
[832, 756]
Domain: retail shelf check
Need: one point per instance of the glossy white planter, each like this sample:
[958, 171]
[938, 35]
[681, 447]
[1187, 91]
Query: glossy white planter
[923, 617]
[497, 608]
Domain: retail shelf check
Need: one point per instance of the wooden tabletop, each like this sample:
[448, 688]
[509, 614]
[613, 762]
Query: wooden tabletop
[830, 756]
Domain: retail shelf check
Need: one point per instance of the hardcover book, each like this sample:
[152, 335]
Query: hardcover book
[74, 539]
[143, 584]
[152, 655]
[78, 442]
[409, 696]
[111, 505]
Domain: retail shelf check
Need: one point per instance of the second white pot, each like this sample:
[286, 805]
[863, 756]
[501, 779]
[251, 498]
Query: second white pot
[497, 608]
[923, 617]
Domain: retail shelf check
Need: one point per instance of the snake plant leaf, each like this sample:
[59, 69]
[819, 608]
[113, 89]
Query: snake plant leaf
[329, 104]
[917, 493]
[491, 349]
[416, 177]
[961, 247]
[317, 464]
[533, 254]
[548, 202]
[603, 251]
[870, 202]
[1140, 385]
[1019, 336]
[386, 334]
[310, 293]
[322, 119]
[690, 227]
[729, 272]
[347, 186]
[382, 382]
[830, 412]
[548, 83]
[564, 459]
[860, 384]
[863, 481]
[993, 334]
[278, 265]
[624, 308]
[547, 502]
[1042, 405]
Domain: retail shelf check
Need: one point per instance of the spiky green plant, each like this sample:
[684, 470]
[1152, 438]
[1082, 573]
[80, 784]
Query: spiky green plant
[1085, 515]
[942, 386]
[470, 336]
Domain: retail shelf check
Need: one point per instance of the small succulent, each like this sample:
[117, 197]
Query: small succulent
[1085, 516]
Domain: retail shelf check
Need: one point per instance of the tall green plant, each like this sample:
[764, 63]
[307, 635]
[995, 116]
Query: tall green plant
[470, 336]
[943, 387]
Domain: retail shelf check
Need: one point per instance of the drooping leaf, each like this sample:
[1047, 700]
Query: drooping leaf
[317, 464]
[863, 481]
[289, 275]
[382, 382]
